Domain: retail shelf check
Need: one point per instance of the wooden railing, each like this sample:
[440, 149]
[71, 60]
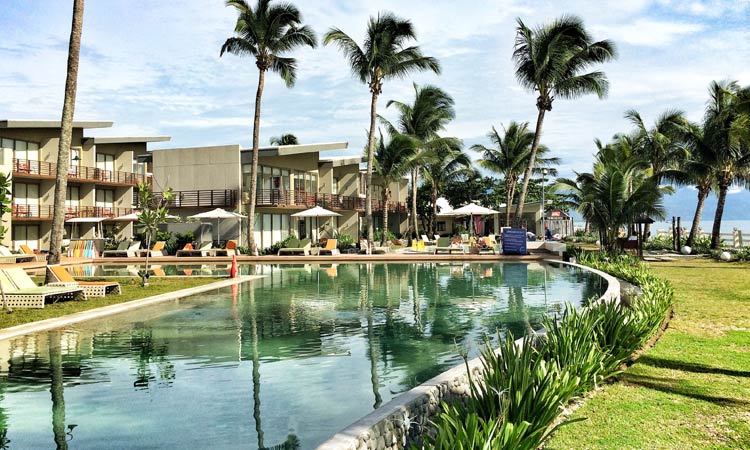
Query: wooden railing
[218, 198]
[71, 212]
[279, 197]
[43, 169]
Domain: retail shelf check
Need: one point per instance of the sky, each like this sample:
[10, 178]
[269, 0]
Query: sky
[154, 69]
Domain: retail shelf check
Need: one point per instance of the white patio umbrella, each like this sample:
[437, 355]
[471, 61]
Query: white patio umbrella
[133, 217]
[316, 212]
[471, 210]
[218, 214]
[96, 220]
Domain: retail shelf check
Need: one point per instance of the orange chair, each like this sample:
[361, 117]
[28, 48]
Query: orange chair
[28, 251]
[330, 248]
[90, 288]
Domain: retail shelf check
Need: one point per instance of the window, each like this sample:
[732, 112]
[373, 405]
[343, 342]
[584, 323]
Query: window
[25, 235]
[25, 200]
[28, 151]
[72, 198]
[440, 227]
[271, 228]
[335, 187]
[105, 161]
[105, 202]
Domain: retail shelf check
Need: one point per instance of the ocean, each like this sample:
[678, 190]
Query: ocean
[727, 226]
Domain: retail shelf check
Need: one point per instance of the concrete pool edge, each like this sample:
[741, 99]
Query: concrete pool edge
[70, 319]
[388, 427]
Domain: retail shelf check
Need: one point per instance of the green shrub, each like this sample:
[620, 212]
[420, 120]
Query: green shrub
[275, 247]
[580, 236]
[345, 242]
[181, 240]
[378, 236]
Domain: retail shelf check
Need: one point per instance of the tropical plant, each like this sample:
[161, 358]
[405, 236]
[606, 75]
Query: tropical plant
[724, 130]
[284, 139]
[550, 61]
[393, 160]
[660, 144]
[386, 54]
[422, 120]
[510, 156]
[6, 199]
[447, 163]
[66, 137]
[153, 213]
[698, 169]
[267, 33]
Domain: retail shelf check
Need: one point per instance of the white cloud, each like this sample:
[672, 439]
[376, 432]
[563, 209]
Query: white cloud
[648, 32]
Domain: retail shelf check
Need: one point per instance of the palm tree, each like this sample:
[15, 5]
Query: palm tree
[698, 170]
[510, 156]
[422, 120]
[384, 55]
[549, 61]
[66, 135]
[730, 146]
[446, 162]
[284, 139]
[266, 32]
[393, 160]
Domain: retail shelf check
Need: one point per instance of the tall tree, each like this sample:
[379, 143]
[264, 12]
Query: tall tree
[393, 160]
[446, 163]
[66, 134]
[509, 156]
[724, 121]
[698, 170]
[431, 110]
[386, 54]
[284, 139]
[549, 61]
[266, 32]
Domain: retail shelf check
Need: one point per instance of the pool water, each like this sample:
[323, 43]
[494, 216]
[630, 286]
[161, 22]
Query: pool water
[287, 359]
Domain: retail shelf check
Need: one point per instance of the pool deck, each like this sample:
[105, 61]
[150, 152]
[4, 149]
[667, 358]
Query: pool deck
[272, 259]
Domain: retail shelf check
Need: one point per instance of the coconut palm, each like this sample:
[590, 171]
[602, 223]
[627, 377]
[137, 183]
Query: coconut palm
[660, 144]
[510, 156]
[550, 61]
[445, 163]
[386, 54]
[431, 110]
[575, 189]
[729, 143]
[393, 160]
[698, 170]
[284, 139]
[66, 135]
[266, 32]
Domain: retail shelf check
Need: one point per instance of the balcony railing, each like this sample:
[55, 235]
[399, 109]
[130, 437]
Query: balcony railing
[279, 197]
[45, 212]
[42, 169]
[218, 198]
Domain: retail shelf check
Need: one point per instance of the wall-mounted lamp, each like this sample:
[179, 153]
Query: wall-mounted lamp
[76, 158]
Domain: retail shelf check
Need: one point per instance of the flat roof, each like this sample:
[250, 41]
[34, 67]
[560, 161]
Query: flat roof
[127, 140]
[285, 150]
[10, 123]
[202, 147]
[340, 161]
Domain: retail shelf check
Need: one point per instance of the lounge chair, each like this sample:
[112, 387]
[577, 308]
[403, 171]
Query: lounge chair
[90, 288]
[21, 291]
[204, 250]
[489, 248]
[427, 240]
[444, 246]
[156, 250]
[331, 248]
[40, 257]
[6, 257]
[230, 250]
[295, 247]
[125, 249]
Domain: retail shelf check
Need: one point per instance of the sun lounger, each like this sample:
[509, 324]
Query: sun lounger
[427, 240]
[125, 249]
[295, 247]
[156, 250]
[28, 251]
[444, 246]
[230, 250]
[21, 291]
[330, 248]
[489, 248]
[204, 250]
[6, 257]
[90, 288]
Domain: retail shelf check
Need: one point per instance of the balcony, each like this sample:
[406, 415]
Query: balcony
[302, 199]
[24, 168]
[45, 212]
[219, 198]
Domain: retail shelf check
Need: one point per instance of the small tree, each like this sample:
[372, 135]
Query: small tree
[5, 200]
[153, 212]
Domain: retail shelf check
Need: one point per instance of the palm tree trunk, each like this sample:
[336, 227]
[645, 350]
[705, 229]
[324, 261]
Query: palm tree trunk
[532, 161]
[370, 164]
[254, 171]
[386, 198]
[66, 135]
[702, 194]
[433, 199]
[414, 179]
[716, 232]
[57, 390]
[508, 202]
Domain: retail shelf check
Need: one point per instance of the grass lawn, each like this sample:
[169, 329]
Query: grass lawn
[131, 290]
[690, 391]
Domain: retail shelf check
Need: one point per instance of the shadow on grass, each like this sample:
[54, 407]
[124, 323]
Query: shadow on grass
[669, 386]
[690, 367]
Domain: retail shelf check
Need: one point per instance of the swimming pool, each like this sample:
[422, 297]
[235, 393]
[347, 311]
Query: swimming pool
[289, 358]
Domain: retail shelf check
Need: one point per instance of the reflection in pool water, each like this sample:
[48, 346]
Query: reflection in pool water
[287, 359]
